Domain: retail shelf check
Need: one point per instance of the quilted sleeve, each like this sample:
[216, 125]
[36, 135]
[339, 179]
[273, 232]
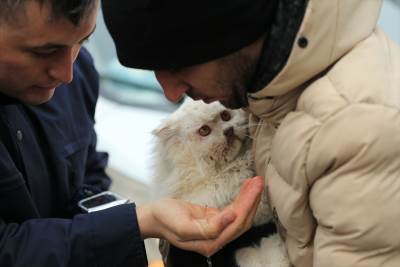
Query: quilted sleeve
[353, 169]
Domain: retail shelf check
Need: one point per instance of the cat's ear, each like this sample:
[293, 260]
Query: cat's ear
[165, 131]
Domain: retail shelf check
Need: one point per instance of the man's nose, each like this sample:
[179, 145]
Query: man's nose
[172, 86]
[62, 68]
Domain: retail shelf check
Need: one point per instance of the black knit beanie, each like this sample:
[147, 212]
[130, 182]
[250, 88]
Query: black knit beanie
[170, 34]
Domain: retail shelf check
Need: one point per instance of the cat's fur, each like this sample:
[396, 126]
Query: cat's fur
[209, 169]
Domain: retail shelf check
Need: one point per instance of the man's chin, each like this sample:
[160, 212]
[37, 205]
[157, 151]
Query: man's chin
[238, 99]
[234, 104]
[38, 98]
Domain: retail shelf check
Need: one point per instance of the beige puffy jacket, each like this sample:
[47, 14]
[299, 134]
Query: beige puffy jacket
[328, 139]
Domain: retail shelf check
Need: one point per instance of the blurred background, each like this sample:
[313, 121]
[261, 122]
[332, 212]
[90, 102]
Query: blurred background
[132, 104]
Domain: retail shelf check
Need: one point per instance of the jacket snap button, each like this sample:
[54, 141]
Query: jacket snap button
[302, 42]
[20, 136]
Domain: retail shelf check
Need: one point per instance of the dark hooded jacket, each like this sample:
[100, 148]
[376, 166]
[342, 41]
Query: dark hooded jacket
[48, 161]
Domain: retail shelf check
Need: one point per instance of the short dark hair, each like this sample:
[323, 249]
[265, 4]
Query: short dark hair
[73, 10]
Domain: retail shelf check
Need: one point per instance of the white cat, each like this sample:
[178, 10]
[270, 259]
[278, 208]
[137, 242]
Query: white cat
[202, 155]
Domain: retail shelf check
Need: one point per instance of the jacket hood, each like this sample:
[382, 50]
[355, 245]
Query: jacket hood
[294, 54]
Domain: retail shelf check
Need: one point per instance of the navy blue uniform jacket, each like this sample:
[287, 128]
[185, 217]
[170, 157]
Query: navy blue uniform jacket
[48, 161]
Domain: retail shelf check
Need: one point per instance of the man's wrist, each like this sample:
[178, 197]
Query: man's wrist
[145, 218]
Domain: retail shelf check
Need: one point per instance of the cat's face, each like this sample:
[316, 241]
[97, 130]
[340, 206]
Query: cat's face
[207, 132]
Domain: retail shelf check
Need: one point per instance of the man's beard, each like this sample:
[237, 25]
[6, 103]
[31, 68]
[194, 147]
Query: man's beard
[238, 98]
[239, 71]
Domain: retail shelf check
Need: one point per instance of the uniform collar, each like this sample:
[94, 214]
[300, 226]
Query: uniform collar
[7, 100]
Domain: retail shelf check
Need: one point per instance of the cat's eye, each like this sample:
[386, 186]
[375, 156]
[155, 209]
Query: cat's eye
[204, 130]
[225, 115]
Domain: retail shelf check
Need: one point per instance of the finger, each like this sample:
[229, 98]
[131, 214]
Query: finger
[219, 229]
[249, 218]
[246, 203]
[202, 224]
[208, 227]
[245, 206]
[202, 212]
[214, 225]
[248, 195]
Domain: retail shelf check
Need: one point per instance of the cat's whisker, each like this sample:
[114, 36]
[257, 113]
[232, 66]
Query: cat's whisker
[249, 136]
[248, 126]
[208, 167]
[256, 124]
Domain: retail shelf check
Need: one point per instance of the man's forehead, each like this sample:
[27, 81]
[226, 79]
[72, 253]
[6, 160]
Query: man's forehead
[27, 13]
[38, 28]
[47, 11]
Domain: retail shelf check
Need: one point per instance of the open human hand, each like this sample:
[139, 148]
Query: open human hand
[197, 228]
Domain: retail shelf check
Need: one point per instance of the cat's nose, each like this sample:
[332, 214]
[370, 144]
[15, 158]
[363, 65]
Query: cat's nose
[229, 132]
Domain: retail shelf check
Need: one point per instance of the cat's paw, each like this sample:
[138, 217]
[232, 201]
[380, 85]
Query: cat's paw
[270, 253]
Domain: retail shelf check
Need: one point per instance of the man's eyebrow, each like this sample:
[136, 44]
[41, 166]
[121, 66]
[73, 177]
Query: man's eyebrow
[56, 46]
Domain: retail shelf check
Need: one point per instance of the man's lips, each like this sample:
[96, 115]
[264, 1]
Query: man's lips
[205, 99]
[208, 100]
[213, 99]
[46, 87]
